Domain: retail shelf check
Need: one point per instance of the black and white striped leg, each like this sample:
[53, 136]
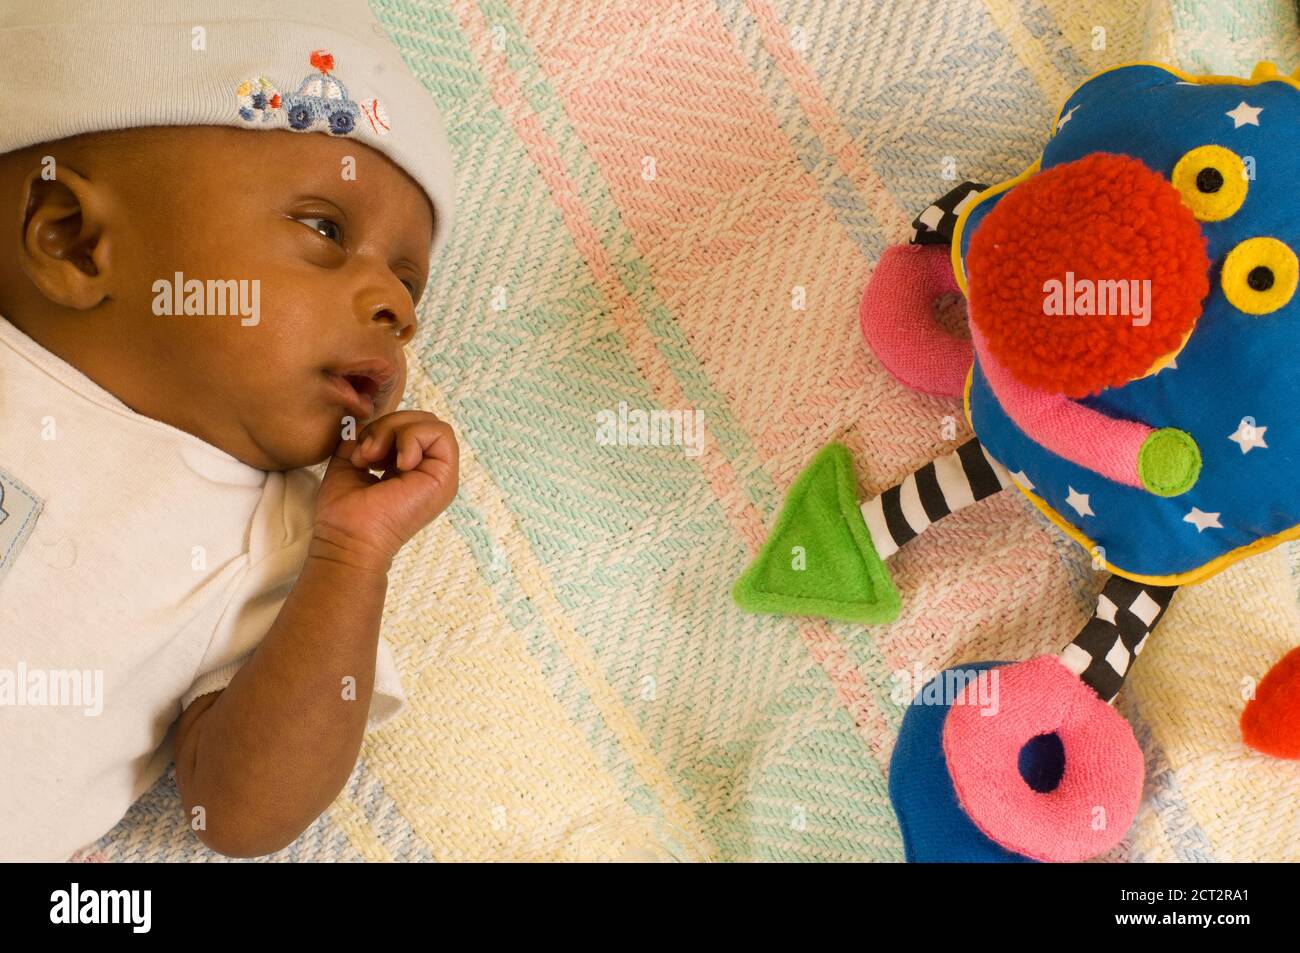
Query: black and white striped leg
[936, 225]
[944, 485]
[1103, 652]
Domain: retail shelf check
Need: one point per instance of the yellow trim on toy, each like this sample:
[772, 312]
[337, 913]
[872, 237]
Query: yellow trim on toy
[1163, 362]
[1191, 577]
[959, 267]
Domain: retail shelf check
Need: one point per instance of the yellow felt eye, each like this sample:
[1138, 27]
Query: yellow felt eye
[1260, 275]
[1212, 181]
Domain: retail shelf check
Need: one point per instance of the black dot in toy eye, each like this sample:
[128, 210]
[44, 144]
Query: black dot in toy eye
[1260, 278]
[1209, 180]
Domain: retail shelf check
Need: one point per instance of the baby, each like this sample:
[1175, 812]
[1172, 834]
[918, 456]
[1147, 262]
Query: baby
[215, 233]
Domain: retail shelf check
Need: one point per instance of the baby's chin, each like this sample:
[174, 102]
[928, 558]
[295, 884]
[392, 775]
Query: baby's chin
[291, 444]
[284, 435]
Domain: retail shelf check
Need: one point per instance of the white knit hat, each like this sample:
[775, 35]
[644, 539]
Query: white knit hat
[69, 67]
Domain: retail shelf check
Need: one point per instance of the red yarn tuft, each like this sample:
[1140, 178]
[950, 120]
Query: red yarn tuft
[1105, 218]
[323, 60]
[1271, 721]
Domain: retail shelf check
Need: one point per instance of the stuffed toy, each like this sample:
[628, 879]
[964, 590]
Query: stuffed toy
[1132, 368]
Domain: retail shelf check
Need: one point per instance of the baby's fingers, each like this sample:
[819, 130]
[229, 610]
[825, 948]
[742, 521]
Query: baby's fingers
[422, 440]
[400, 439]
[375, 441]
[410, 451]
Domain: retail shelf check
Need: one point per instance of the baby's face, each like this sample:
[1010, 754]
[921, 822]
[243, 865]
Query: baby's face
[326, 236]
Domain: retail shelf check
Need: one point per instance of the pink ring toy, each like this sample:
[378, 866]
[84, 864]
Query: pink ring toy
[1097, 798]
[897, 320]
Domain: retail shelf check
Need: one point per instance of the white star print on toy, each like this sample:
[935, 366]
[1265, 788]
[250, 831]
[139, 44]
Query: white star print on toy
[1080, 502]
[1201, 520]
[1066, 118]
[1019, 477]
[1245, 115]
[1248, 436]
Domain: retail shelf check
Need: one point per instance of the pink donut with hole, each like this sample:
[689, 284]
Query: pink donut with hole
[896, 316]
[1096, 799]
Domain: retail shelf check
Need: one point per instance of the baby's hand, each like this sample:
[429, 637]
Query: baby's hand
[365, 519]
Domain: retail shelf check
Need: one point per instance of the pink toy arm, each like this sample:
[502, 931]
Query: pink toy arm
[897, 319]
[1083, 436]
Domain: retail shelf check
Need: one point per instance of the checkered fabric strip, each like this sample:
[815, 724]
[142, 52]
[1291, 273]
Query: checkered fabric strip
[1103, 652]
[935, 226]
[943, 486]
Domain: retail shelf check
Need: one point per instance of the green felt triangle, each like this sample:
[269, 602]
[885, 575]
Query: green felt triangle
[819, 559]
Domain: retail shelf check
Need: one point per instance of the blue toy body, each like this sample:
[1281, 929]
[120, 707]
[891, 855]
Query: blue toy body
[1237, 369]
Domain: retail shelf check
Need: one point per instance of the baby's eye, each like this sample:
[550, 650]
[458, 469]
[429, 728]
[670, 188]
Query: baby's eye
[410, 288]
[326, 226]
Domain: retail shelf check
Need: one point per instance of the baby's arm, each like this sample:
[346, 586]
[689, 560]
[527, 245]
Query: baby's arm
[265, 756]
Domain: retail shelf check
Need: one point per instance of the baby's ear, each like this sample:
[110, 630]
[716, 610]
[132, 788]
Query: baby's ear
[63, 247]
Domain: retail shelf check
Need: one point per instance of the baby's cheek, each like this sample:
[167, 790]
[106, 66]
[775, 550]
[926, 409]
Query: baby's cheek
[399, 387]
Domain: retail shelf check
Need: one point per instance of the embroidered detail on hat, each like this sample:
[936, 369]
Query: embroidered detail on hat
[257, 99]
[375, 113]
[321, 100]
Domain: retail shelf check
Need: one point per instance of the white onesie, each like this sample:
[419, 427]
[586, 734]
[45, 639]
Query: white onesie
[139, 568]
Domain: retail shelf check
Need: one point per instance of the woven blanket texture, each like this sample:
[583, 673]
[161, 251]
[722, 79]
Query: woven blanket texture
[647, 192]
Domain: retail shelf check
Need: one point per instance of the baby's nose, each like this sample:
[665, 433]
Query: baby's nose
[401, 322]
[1087, 274]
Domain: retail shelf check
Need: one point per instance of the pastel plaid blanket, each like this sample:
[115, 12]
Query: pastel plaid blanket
[673, 206]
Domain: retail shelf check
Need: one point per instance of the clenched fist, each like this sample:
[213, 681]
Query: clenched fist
[363, 519]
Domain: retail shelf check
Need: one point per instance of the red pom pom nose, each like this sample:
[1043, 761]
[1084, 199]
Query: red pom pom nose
[1087, 273]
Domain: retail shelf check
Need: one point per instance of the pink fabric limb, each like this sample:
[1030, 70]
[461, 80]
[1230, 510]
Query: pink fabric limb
[1094, 804]
[897, 319]
[1084, 436]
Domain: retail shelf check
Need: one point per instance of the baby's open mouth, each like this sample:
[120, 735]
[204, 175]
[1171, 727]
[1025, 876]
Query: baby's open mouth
[362, 385]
